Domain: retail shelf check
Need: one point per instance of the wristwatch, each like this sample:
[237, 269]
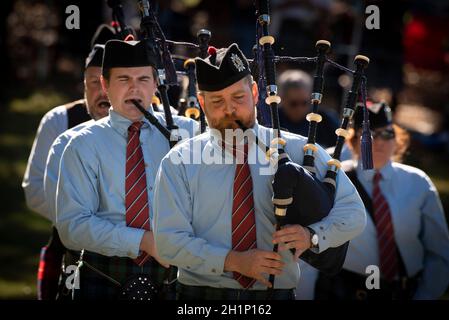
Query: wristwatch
[313, 238]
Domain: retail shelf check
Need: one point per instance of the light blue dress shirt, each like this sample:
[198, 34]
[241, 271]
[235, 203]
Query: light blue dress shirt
[52, 124]
[52, 168]
[193, 207]
[90, 199]
[305, 288]
[420, 228]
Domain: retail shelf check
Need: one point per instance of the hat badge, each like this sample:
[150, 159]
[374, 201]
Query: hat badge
[238, 63]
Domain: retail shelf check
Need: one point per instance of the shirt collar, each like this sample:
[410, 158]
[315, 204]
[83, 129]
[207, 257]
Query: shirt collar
[386, 171]
[121, 124]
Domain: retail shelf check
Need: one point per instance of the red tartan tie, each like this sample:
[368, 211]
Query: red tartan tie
[136, 195]
[385, 232]
[243, 218]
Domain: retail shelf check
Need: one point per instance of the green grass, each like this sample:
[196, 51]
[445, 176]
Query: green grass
[22, 232]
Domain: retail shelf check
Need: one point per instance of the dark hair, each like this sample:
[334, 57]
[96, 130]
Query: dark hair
[294, 79]
[402, 142]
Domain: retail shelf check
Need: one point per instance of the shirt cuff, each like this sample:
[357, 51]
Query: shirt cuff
[131, 239]
[214, 264]
[323, 241]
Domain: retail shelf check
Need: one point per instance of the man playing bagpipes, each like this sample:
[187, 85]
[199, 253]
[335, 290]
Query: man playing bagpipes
[97, 105]
[56, 121]
[105, 190]
[214, 218]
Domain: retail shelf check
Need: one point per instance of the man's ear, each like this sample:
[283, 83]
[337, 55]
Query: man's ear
[255, 92]
[104, 84]
[201, 100]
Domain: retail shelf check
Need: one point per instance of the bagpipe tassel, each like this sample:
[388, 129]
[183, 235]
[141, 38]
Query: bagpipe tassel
[366, 146]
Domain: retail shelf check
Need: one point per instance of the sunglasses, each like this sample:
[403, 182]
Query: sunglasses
[387, 134]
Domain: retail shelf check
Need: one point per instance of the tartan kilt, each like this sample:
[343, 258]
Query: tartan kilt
[93, 286]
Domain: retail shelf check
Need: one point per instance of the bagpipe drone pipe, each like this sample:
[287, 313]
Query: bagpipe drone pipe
[299, 197]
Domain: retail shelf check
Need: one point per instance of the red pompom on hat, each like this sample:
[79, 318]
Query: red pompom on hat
[212, 50]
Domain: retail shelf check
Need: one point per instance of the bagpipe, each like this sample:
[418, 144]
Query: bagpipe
[158, 47]
[299, 197]
[118, 19]
[193, 109]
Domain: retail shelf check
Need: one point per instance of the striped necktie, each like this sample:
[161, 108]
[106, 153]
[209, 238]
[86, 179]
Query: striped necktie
[243, 217]
[385, 232]
[136, 195]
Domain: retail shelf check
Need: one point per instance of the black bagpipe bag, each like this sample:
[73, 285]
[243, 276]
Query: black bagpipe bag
[312, 201]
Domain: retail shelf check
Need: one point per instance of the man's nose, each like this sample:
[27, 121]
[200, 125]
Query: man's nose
[132, 85]
[229, 108]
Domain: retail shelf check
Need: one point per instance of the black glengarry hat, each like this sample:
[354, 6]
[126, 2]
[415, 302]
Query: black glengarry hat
[221, 68]
[95, 57]
[103, 34]
[380, 115]
[126, 54]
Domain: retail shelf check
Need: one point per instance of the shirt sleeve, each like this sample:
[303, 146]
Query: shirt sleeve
[188, 128]
[347, 218]
[77, 203]
[50, 127]
[175, 238]
[435, 238]
[51, 176]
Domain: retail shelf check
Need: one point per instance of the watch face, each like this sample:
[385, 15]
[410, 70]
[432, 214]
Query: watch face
[315, 239]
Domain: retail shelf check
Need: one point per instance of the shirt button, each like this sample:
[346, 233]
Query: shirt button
[214, 271]
[188, 267]
[151, 188]
[321, 228]
[324, 238]
[146, 165]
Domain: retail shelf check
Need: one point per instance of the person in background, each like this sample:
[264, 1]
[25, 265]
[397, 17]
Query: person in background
[406, 234]
[295, 88]
[56, 121]
[93, 92]
[52, 124]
